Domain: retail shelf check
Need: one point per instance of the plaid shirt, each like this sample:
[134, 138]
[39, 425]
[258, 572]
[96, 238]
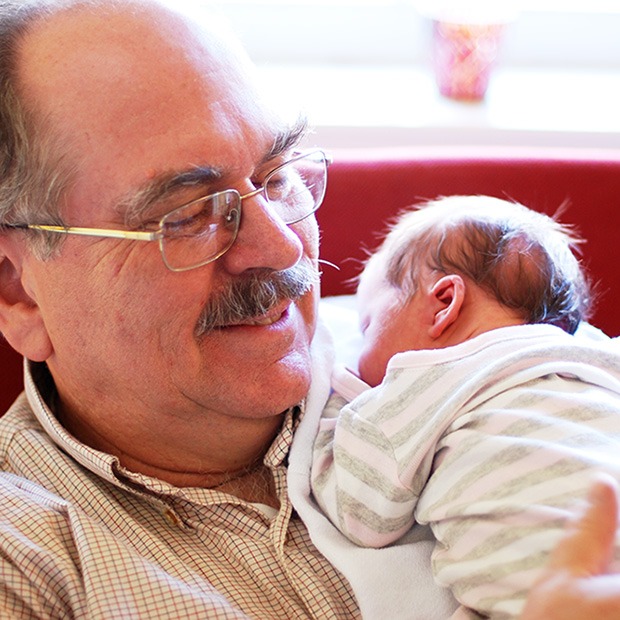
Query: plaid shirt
[82, 538]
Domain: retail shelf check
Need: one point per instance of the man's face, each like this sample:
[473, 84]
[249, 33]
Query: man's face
[133, 103]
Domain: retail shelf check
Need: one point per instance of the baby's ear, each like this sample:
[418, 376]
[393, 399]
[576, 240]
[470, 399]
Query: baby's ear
[21, 322]
[447, 296]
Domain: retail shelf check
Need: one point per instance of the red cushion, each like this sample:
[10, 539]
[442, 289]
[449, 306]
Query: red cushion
[11, 376]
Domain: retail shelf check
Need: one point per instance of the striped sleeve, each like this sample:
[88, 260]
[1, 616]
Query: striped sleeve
[513, 471]
[371, 462]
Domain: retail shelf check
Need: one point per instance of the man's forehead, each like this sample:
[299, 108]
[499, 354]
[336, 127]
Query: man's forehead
[142, 90]
[105, 44]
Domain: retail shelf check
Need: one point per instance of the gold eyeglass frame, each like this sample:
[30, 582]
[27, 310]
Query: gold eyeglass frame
[159, 235]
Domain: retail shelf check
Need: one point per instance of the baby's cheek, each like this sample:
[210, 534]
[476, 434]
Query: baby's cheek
[371, 364]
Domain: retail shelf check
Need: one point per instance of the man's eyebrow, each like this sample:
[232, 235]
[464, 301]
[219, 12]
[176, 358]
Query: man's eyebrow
[135, 205]
[288, 138]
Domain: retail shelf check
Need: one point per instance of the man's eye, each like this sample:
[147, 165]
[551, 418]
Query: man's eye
[278, 184]
[185, 223]
[190, 218]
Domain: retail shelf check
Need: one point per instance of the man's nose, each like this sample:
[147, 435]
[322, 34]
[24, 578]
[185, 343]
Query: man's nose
[263, 241]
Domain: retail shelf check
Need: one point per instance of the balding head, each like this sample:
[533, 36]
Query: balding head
[92, 83]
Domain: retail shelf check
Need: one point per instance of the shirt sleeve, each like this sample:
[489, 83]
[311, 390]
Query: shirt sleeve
[511, 473]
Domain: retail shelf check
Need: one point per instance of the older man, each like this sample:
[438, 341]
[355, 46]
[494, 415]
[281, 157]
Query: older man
[158, 270]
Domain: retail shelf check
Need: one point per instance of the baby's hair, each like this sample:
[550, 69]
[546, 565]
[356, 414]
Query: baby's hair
[521, 257]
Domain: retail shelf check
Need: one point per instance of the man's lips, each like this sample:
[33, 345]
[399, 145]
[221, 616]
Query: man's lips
[264, 320]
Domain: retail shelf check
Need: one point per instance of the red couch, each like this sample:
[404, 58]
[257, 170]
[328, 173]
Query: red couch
[367, 187]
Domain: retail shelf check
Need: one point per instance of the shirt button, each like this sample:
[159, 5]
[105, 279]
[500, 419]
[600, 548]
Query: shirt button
[172, 518]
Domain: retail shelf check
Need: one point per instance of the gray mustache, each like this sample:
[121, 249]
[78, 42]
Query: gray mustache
[255, 295]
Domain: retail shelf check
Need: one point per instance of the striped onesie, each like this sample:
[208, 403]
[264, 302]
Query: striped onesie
[491, 442]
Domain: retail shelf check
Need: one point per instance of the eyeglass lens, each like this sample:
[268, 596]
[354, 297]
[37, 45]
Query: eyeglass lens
[296, 189]
[204, 229]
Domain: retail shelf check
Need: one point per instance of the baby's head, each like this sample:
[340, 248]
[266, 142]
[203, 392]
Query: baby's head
[448, 261]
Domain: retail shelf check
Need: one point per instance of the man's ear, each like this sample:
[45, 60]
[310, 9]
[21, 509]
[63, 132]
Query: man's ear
[21, 321]
[447, 296]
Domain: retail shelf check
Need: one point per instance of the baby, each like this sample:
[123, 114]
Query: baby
[487, 418]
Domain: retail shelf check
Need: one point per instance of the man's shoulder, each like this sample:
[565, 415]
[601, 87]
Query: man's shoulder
[31, 517]
[19, 414]
[18, 424]
[21, 498]
[40, 575]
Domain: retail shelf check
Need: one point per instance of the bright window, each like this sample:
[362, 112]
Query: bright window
[563, 33]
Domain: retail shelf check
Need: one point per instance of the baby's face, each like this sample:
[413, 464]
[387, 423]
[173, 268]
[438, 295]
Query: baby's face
[389, 324]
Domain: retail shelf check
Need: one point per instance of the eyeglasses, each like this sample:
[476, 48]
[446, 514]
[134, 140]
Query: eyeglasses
[202, 230]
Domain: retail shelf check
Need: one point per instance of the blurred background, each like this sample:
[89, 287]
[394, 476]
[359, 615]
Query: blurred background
[366, 71]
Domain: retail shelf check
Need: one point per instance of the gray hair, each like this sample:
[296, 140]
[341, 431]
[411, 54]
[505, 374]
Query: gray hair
[33, 172]
[521, 257]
